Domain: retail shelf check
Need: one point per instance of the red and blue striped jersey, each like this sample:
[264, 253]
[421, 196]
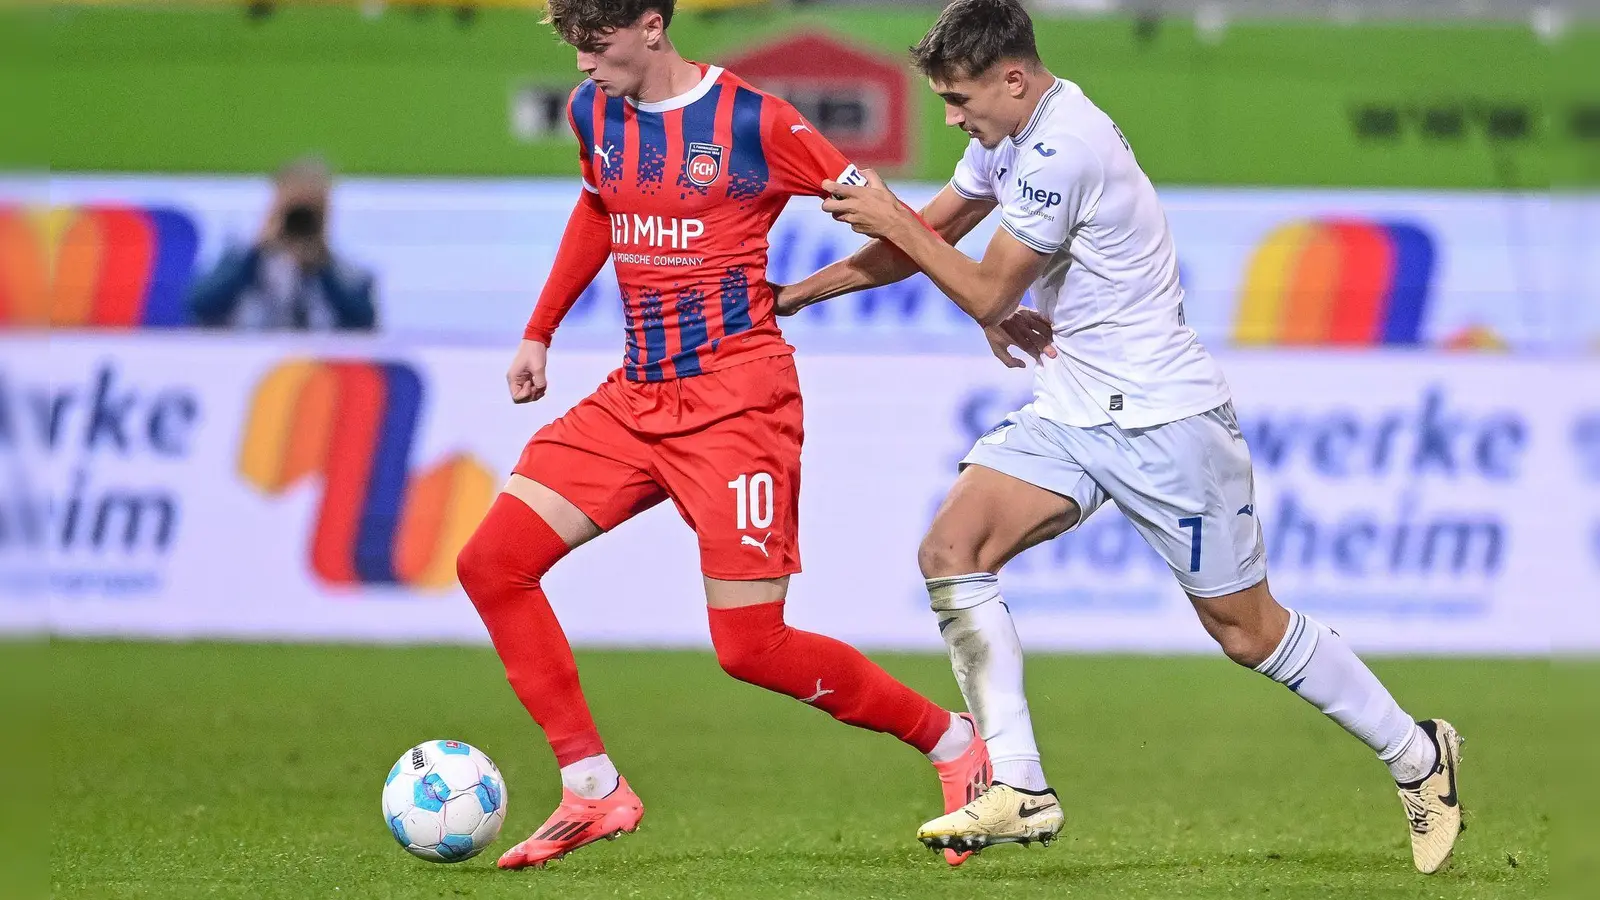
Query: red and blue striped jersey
[692, 185]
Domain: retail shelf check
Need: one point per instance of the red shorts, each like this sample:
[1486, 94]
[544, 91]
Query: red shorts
[724, 446]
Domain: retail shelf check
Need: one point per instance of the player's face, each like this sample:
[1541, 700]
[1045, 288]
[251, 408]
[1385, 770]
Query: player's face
[984, 106]
[617, 59]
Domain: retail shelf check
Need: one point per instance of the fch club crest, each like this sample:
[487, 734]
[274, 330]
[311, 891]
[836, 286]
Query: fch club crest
[705, 163]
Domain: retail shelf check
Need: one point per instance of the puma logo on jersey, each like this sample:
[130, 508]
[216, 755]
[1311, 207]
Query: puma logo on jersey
[603, 154]
[796, 129]
[818, 695]
[746, 540]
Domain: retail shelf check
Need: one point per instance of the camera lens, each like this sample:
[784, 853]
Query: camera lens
[302, 221]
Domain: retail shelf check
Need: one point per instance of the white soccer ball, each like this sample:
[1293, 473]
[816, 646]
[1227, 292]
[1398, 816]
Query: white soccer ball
[444, 801]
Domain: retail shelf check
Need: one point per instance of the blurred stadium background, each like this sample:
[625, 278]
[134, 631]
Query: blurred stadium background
[1387, 223]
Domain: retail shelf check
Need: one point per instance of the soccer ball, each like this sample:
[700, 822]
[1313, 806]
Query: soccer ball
[444, 801]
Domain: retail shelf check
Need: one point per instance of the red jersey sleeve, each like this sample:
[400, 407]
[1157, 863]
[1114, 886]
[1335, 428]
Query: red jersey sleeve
[799, 157]
[585, 246]
[585, 151]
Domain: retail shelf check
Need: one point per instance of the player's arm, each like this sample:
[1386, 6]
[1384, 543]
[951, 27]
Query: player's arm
[802, 162]
[949, 214]
[585, 247]
[1063, 192]
[988, 290]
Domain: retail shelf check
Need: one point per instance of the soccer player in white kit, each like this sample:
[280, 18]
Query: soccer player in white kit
[1128, 408]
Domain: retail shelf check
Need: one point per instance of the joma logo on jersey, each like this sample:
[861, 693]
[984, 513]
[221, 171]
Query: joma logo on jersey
[655, 231]
[705, 163]
[1044, 198]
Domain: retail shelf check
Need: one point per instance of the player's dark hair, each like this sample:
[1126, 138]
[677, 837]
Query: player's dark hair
[581, 22]
[972, 35]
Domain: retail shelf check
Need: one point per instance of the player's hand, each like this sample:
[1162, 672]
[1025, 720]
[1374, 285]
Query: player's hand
[1024, 329]
[871, 209]
[525, 378]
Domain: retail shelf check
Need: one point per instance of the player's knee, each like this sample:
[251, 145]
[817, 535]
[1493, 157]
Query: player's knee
[509, 552]
[741, 659]
[746, 644]
[475, 565]
[940, 555]
[738, 662]
[1247, 624]
[489, 562]
[1244, 644]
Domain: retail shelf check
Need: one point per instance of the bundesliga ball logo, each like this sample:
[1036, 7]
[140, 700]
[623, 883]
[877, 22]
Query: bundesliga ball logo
[705, 163]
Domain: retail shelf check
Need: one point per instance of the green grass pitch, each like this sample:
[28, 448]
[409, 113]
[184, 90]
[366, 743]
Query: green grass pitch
[224, 770]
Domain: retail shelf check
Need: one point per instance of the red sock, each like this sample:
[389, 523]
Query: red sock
[500, 568]
[754, 645]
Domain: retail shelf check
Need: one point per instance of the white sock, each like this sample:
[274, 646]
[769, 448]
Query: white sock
[987, 659]
[1316, 663]
[953, 742]
[591, 778]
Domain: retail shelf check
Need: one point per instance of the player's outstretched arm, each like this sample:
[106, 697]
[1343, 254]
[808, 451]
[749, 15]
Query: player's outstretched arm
[949, 214]
[989, 290]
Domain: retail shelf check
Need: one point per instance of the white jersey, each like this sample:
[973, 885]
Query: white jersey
[1068, 186]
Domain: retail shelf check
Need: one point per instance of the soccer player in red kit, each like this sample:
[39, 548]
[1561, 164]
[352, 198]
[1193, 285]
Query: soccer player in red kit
[685, 168]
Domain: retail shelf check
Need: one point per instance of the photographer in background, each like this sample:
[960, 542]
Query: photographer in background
[288, 280]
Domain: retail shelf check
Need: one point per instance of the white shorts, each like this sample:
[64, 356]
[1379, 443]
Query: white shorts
[1186, 486]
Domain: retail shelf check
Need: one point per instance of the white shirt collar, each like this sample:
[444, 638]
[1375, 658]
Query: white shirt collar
[683, 99]
[1038, 111]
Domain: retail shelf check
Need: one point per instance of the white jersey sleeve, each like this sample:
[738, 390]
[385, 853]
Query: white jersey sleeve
[1068, 186]
[971, 178]
[1058, 188]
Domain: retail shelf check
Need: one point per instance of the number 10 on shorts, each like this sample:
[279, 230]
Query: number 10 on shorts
[752, 494]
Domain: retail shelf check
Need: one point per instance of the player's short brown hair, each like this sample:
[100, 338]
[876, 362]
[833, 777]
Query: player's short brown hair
[581, 22]
[972, 35]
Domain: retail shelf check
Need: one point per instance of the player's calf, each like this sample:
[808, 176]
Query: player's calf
[755, 645]
[500, 568]
[986, 657]
[1314, 662]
